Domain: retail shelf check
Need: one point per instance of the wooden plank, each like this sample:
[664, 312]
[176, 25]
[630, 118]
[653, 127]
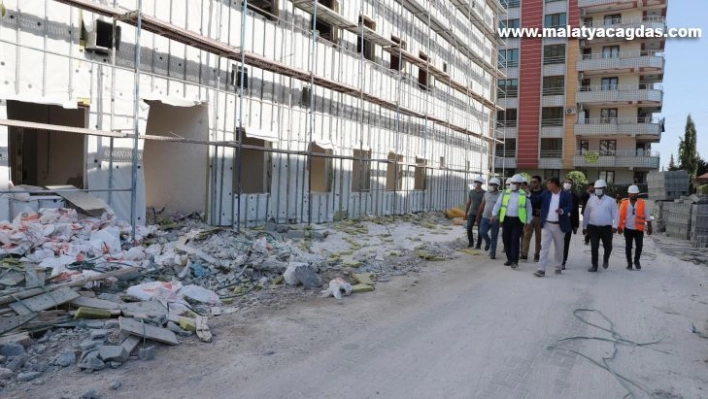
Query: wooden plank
[203, 329]
[22, 338]
[85, 201]
[134, 327]
[44, 301]
[86, 302]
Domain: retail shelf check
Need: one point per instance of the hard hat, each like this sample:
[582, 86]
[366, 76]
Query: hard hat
[479, 179]
[600, 184]
[517, 179]
[633, 189]
[508, 181]
[494, 180]
[523, 179]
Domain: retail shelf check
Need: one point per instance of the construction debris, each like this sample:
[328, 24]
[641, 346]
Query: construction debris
[77, 290]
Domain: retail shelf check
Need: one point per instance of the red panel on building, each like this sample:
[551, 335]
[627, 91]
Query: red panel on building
[530, 83]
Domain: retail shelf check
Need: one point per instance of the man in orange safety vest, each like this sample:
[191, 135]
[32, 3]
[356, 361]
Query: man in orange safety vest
[634, 214]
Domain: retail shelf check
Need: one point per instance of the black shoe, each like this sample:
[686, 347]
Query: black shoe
[507, 263]
[637, 265]
[470, 246]
[593, 269]
[539, 273]
[536, 258]
[559, 271]
[563, 267]
[514, 265]
[524, 257]
[492, 256]
[478, 247]
[486, 247]
[605, 265]
[629, 266]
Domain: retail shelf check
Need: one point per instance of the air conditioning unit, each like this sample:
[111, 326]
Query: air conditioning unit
[571, 111]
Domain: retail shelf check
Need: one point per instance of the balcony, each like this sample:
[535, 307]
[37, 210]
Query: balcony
[638, 159]
[646, 60]
[605, 6]
[646, 93]
[550, 159]
[504, 162]
[650, 22]
[634, 127]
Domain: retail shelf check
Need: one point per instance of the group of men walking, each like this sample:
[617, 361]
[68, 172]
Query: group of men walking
[552, 215]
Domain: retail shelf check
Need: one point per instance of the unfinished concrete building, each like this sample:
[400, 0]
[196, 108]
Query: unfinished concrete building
[247, 111]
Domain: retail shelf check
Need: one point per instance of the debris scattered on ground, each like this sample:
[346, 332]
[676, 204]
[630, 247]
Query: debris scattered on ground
[78, 291]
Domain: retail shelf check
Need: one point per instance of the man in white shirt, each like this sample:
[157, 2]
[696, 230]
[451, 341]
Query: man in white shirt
[600, 222]
[555, 208]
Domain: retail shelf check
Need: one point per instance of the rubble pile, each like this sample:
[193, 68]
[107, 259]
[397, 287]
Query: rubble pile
[75, 291]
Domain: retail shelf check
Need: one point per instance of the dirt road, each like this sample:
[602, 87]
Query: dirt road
[461, 329]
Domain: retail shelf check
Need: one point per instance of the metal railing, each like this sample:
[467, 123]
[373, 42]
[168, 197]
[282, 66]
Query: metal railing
[556, 154]
[626, 22]
[620, 121]
[620, 153]
[549, 122]
[622, 55]
[622, 87]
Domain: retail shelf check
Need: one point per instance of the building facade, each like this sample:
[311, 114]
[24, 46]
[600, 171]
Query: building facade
[286, 110]
[581, 104]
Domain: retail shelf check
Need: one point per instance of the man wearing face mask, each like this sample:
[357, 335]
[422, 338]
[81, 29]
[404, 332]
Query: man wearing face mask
[574, 219]
[485, 210]
[633, 215]
[474, 199]
[513, 210]
[535, 228]
[600, 222]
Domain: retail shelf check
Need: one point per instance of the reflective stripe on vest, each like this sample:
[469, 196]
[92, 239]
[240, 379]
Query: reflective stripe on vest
[522, 205]
[640, 218]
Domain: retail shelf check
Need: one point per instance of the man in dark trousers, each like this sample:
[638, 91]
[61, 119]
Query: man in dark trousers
[535, 227]
[600, 222]
[556, 207]
[574, 219]
[584, 198]
[474, 199]
[513, 210]
[635, 217]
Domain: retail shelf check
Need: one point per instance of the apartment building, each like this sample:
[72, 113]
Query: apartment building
[587, 105]
[248, 111]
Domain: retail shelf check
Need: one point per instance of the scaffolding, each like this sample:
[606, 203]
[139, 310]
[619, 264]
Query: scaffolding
[441, 131]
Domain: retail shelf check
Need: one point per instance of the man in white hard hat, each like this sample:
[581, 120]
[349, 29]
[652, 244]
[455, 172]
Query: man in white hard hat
[600, 222]
[634, 218]
[485, 211]
[513, 210]
[474, 199]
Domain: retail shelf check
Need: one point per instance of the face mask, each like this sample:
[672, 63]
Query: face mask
[515, 187]
[598, 192]
[492, 188]
[567, 186]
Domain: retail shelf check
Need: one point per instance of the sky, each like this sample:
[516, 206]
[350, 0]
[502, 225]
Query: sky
[685, 85]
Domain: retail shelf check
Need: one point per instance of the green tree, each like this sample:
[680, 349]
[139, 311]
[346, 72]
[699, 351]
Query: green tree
[672, 163]
[688, 155]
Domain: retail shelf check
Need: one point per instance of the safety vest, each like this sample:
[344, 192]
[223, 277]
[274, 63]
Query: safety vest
[522, 205]
[640, 218]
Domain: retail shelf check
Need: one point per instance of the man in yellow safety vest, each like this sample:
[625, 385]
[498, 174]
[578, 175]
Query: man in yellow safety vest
[513, 209]
[634, 217]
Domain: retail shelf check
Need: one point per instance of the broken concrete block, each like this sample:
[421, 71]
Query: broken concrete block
[130, 343]
[146, 353]
[16, 363]
[6, 374]
[99, 334]
[178, 330]
[90, 394]
[296, 234]
[308, 277]
[363, 278]
[92, 362]
[111, 353]
[359, 288]
[32, 375]
[282, 228]
[88, 345]
[115, 385]
[12, 278]
[66, 359]
[12, 349]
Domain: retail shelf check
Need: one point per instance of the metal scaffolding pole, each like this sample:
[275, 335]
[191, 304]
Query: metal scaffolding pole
[239, 155]
[136, 124]
[313, 65]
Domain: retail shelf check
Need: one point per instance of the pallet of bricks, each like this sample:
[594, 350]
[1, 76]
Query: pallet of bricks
[699, 222]
[667, 186]
[678, 222]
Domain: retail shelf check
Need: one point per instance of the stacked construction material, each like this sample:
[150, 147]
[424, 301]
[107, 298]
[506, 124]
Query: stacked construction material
[666, 186]
[699, 231]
